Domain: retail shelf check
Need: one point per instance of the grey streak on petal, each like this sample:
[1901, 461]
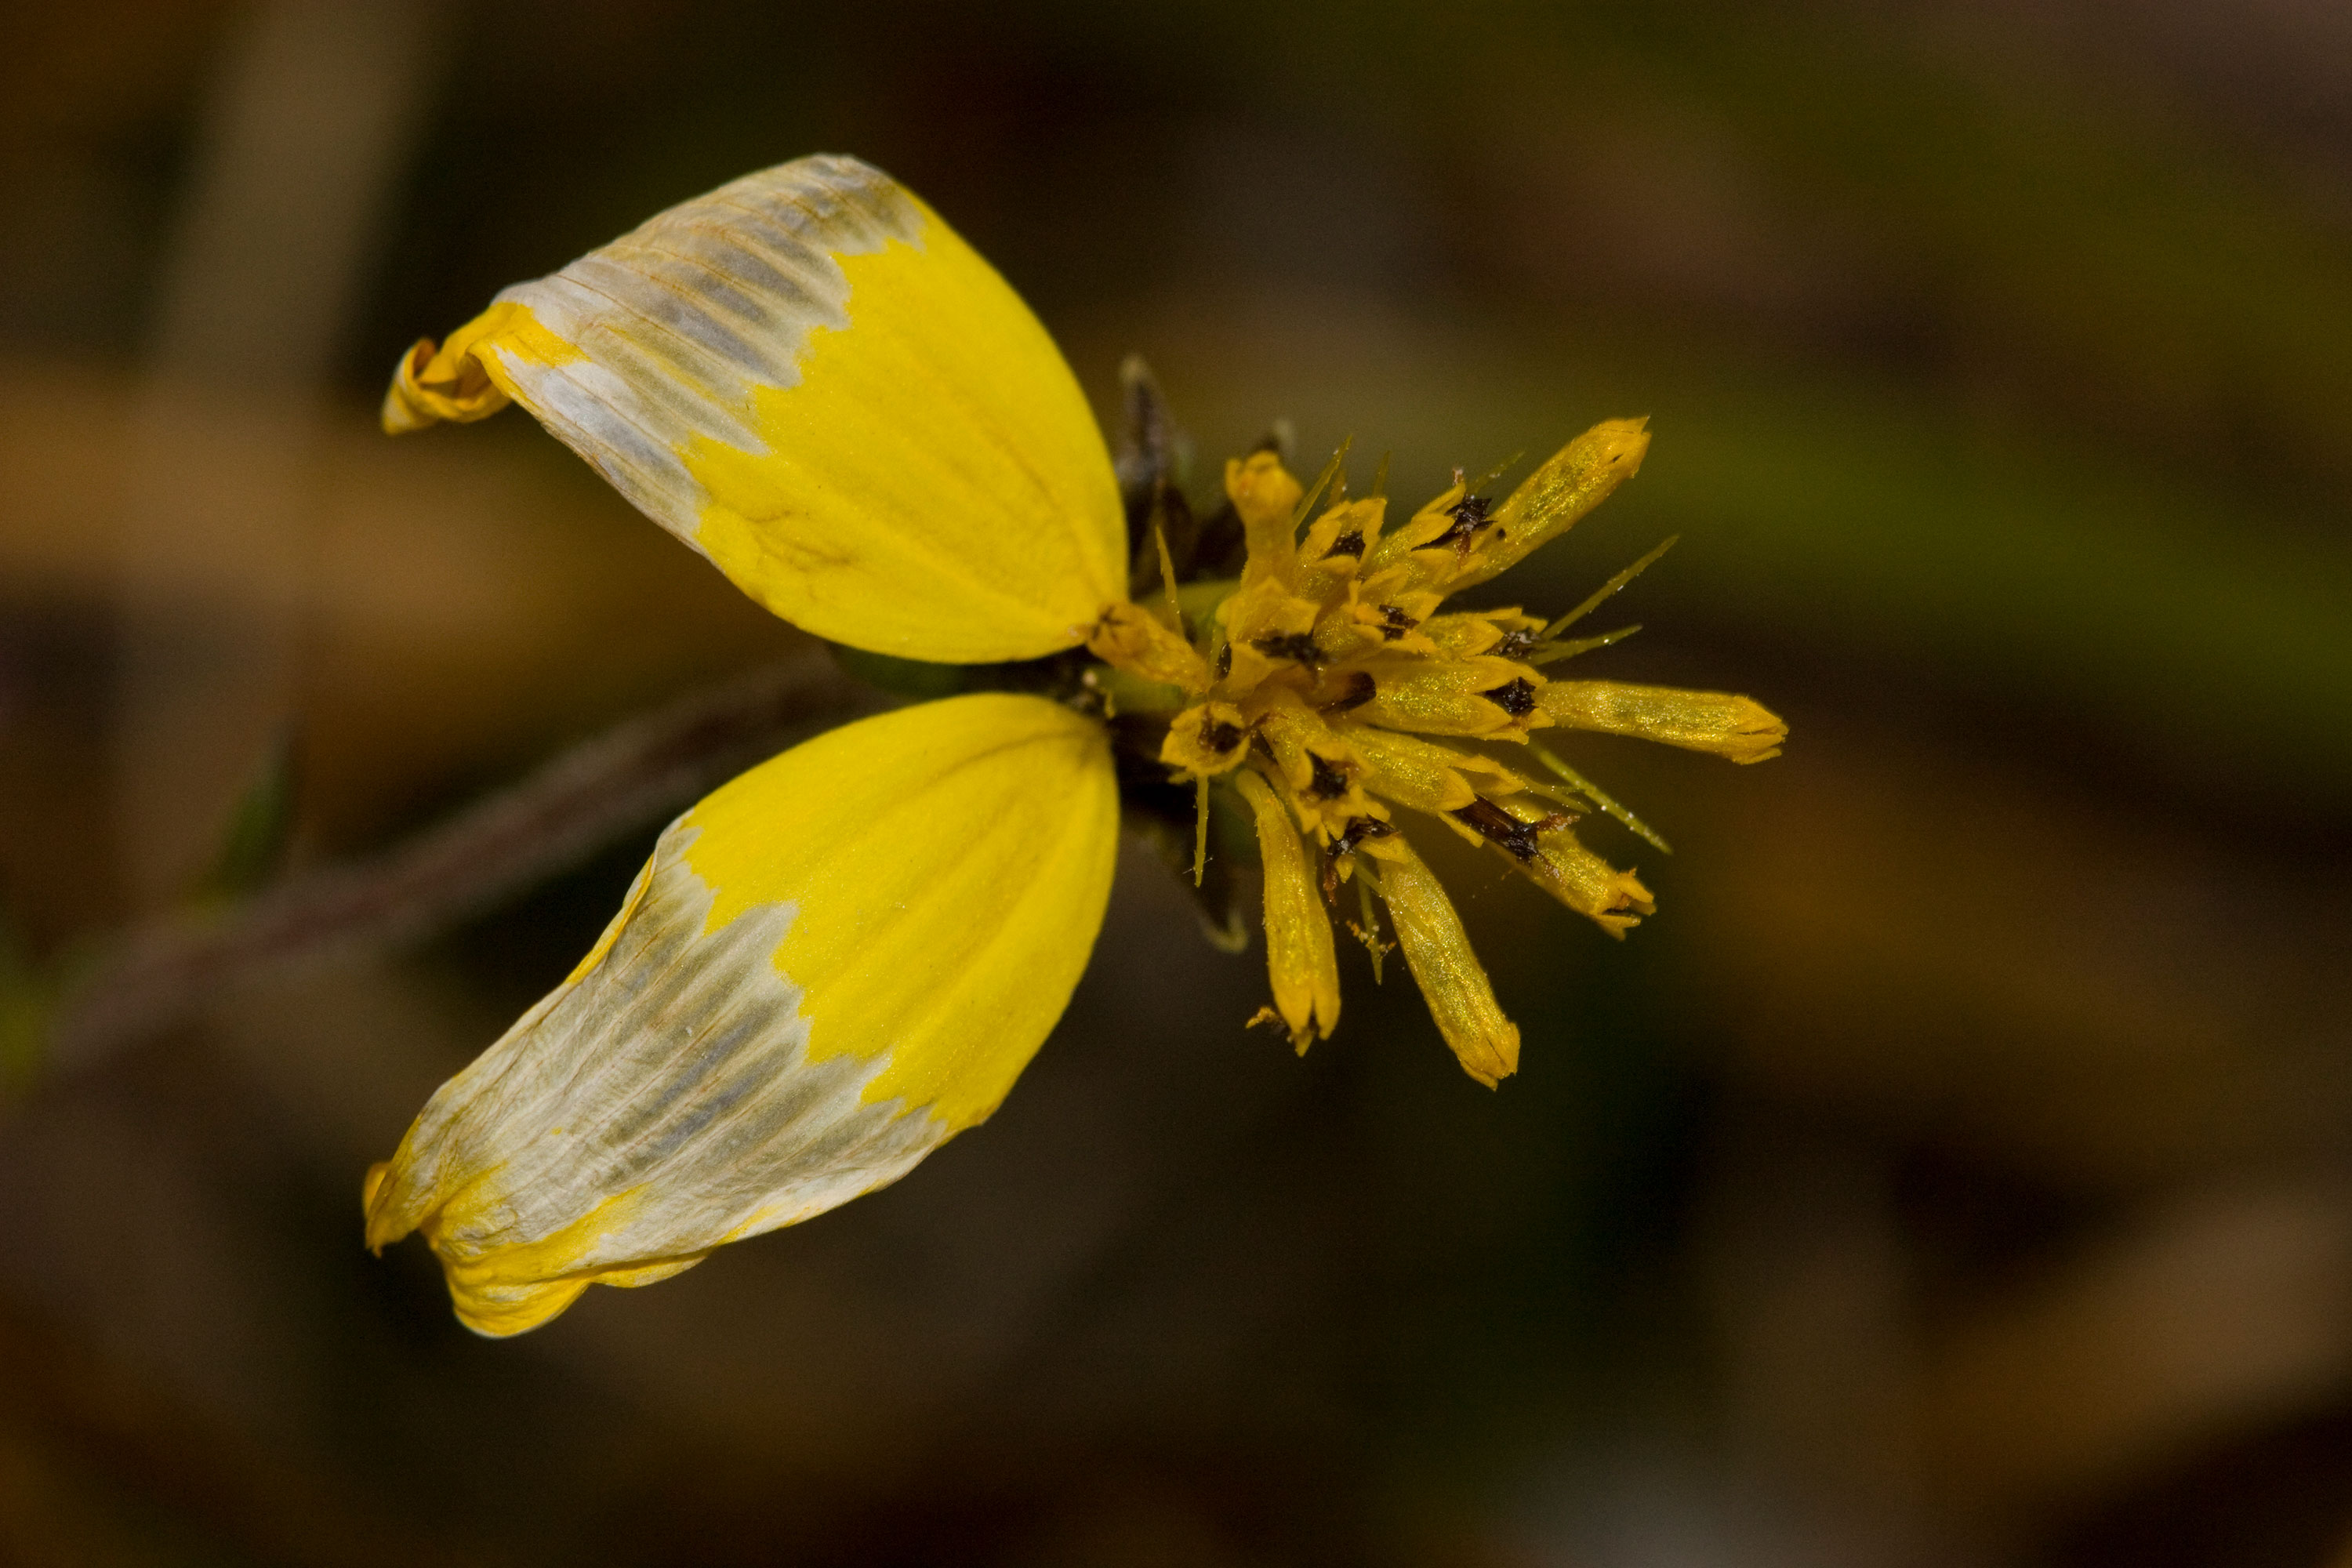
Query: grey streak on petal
[686, 316]
[678, 1066]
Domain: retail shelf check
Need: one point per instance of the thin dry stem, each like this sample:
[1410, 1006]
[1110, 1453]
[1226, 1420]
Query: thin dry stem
[633, 774]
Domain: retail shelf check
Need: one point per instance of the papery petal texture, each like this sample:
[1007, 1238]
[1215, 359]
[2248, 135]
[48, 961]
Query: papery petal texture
[828, 968]
[811, 378]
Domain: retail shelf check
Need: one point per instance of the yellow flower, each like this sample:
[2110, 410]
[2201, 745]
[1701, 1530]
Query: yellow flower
[845, 956]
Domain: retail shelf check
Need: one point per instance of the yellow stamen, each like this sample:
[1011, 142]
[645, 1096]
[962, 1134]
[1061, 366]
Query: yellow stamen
[1138, 642]
[1299, 958]
[1729, 726]
[1589, 885]
[1468, 634]
[1483, 696]
[1576, 479]
[1437, 951]
[1266, 495]
[1427, 777]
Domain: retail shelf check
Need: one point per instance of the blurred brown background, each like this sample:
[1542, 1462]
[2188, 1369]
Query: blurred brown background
[1955, 1171]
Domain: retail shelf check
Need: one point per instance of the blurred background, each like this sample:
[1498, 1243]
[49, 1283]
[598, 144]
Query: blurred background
[1957, 1170]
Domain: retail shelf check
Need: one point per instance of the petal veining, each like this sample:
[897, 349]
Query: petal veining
[812, 380]
[828, 968]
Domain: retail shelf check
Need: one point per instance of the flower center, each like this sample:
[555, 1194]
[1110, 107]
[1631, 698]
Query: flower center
[1326, 688]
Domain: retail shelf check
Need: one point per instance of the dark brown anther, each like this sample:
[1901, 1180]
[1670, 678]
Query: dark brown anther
[1348, 543]
[1395, 622]
[1361, 688]
[1217, 737]
[1224, 659]
[1499, 828]
[1328, 783]
[1517, 698]
[1469, 515]
[1297, 646]
[1359, 828]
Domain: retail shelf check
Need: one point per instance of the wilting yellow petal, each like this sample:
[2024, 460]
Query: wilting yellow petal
[809, 377]
[1396, 547]
[828, 968]
[1575, 480]
[1589, 885]
[1427, 777]
[1333, 550]
[1319, 768]
[1739, 728]
[1467, 634]
[456, 382]
[1137, 642]
[1299, 958]
[1449, 974]
[1265, 494]
[1483, 696]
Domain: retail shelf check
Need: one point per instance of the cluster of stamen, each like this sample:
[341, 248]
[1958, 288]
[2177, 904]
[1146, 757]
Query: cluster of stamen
[1326, 689]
